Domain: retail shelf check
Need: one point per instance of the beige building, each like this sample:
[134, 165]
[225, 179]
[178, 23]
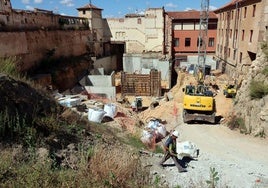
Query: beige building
[100, 40]
[242, 26]
[139, 32]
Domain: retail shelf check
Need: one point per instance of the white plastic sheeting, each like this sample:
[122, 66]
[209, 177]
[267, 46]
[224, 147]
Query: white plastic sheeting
[154, 131]
[187, 149]
[147, 137]
[70, 101]
[157, 128]
[95, 115]
[111, 110]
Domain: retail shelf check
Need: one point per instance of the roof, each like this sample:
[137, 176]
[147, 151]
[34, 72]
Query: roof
[228, 5]
[233, 3]
[191, 14]
[88, 7]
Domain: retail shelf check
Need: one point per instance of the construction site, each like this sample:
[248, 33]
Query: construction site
[148, 84]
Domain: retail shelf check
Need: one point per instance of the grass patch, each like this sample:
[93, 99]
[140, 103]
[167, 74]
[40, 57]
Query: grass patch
[265, 71]
[117, 167]
[8, 66]
[258, 89]
[134, 141]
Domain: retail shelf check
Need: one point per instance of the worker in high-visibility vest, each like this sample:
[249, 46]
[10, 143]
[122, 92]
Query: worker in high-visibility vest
[170, 151]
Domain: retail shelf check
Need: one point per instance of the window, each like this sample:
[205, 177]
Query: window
[187, 42]
[212, 25]
[231, 32]
[236, 34]
[229, 52]
[243, 34]
[211, 42]
[238, 13]
[232, 15]
[245, 12]
[176, 42]
[84, 12]
[240, 57]
[254, 11]
[234, 55]
[139, 21]
[250, 36]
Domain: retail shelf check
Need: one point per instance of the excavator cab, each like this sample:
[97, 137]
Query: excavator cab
[198, 104]
[229, 91]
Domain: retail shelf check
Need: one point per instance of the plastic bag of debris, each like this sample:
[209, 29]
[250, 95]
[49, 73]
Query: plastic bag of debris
[95, 114]
[187, 149]
[147, 137]
[110, 109]
[158, 128]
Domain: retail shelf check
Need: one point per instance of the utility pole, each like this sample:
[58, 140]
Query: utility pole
[203, 38]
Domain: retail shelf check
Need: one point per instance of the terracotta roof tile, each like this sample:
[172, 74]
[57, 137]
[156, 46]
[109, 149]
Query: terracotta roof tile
[191, 14]
[230, 4]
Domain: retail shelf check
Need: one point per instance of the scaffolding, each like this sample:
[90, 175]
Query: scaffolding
[202, 38]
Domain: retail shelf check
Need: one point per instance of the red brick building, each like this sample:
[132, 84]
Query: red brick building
[185, 31]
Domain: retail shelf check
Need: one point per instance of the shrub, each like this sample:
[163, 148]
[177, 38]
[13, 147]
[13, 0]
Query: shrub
[237, 123]
[117, 167]
[264, 47]
[258, 89]
[265, 71]
[214, 178]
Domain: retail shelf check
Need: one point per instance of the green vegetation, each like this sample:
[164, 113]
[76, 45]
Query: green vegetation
[214, 178]
[265, 71]
[8, 66]
[157, 181]
[31, 121]
[237, 123]
[258, 89]
[264, 47]
[135, 141]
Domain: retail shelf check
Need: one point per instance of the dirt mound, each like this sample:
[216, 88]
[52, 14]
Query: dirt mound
[21, 104]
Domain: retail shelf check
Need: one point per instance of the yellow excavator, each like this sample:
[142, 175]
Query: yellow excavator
[198, 101]
[198, 104]
[229, 90]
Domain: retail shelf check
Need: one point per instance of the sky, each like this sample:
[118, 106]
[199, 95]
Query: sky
[113, 8]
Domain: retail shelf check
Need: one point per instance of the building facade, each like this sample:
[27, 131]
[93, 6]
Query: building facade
[139, 32]
[241, 28]
[185, 32]
[182, 38]
[100, 41]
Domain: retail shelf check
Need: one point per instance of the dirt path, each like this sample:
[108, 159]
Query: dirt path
[240, 160]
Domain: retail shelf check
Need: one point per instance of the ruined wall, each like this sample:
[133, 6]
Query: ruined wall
[254, 112]
[30, 47]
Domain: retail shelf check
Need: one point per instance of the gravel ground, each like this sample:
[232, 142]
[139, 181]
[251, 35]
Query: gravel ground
[240, 160]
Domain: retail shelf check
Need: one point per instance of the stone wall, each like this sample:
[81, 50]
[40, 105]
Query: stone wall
[30, 47]
[253, 111]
